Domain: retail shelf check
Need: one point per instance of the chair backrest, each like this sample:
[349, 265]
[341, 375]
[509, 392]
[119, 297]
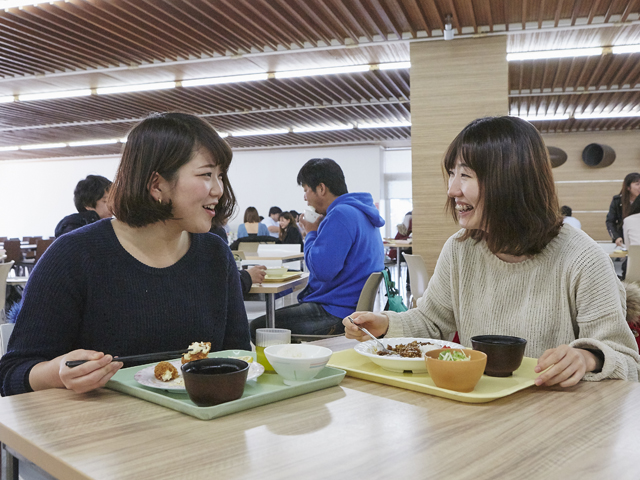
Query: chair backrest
[5, 332]
[273, 249]
[248, 247]
[13, 250]
[633, 263]
[369, 291]
[41, 246]
[4, 271]
[418, 275]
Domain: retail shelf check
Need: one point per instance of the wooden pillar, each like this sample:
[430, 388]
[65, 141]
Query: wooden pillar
[452, 83]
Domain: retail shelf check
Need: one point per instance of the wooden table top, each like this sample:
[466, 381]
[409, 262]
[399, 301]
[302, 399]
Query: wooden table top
[359, 429]
[17, 280]
[618, 254]
[277, 287]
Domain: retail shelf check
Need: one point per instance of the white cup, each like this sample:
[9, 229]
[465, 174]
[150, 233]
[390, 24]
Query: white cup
[310, 214]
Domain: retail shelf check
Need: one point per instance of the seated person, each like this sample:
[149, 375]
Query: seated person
[289, 232]
[90, 198]
[566, 213]
[151, 280]
[252, 225]
[343, 247]
[272, 221]
[515, 269]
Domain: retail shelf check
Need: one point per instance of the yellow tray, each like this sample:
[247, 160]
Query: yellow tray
[487, 389]
[281, 278]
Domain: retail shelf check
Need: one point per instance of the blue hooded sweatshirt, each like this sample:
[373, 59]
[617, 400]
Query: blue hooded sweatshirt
[341, 255]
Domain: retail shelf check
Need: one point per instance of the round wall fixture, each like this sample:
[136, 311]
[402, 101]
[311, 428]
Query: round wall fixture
[557, 156]
[596, 155]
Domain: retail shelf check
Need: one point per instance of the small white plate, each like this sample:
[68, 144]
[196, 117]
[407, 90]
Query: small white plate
[147, 378]
[400, 364]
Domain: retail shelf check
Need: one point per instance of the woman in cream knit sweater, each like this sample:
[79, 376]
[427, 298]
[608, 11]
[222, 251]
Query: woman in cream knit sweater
[514, 269]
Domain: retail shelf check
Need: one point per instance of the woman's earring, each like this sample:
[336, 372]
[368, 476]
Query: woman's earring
[160, 201]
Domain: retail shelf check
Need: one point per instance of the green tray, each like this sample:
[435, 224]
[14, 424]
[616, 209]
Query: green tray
[267, 388]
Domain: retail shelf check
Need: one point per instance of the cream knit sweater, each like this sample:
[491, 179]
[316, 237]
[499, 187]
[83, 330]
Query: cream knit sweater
[567, 294]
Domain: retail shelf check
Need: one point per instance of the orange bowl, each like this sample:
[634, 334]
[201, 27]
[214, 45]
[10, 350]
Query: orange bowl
[461, 376]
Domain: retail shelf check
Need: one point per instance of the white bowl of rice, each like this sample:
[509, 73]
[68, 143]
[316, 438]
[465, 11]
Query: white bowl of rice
[297, 363]
[400, 364]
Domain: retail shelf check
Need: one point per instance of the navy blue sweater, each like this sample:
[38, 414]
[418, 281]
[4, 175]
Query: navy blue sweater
[88, 292]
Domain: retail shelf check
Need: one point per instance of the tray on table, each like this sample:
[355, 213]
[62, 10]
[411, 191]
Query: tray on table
[268, 388]
[487, 389]
[281, 278]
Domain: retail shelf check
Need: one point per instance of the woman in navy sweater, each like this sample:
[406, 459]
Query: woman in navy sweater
[152, 279]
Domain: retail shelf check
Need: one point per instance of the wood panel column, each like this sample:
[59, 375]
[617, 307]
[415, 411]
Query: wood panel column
[452, 83]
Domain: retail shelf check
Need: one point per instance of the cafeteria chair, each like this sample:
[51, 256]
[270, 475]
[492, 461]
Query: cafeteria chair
[418, 277]
[366, 302]
[4, 271]
[248, 241]
[633, 263]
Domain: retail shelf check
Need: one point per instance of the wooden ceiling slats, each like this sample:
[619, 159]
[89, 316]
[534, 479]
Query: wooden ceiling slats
[367, 14]
[422, 15]
[505, 14]
[282, 23]
[439, 17]
[389, 16]
[248, 25]
[350, 25]
[329, 33]
[628, 9]
[454, 14]
[404, 18]
[314, 32]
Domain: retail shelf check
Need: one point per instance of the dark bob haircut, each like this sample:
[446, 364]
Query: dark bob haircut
[163, 143]
[519, 201]
[274, 210]
[89, 191]
[251, 215]
[323, 170]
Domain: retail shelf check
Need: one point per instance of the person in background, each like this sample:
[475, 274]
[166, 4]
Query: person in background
[248, 277]
[514, 269]
[621, 205]
[289, 232]
[296, 217]
[151, 280]
[566, 211]
[272, 221]
[405, 229]
[252, 225]
[343, 247]
[90, 199]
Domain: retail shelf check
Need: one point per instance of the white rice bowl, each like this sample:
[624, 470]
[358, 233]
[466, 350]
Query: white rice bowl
[400, 364]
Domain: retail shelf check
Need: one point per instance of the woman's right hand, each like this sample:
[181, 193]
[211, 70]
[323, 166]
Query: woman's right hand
[376, 323]
[90, 375]
[619, 241]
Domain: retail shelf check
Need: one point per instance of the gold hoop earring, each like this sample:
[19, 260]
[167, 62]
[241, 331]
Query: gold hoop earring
[160, 201]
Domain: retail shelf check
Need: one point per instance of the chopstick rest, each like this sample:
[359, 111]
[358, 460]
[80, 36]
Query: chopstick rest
[147, 357]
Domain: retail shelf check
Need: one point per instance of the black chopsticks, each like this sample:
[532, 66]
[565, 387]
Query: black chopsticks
[147, 357]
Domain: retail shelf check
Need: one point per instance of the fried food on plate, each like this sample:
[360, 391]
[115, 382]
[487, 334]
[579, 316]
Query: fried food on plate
[197, 351]
[165, 372]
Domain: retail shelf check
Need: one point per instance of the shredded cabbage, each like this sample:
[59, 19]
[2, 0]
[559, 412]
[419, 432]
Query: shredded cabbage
[453, 356]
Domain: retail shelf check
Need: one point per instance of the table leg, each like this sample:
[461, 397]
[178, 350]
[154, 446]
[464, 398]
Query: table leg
[398, 250]
[271, 310]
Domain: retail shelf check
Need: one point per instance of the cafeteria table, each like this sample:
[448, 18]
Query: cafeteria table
[399, 246]
[359, 429]
[271, 289]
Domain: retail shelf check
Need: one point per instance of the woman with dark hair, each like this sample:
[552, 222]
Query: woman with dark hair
[252, 225]
[514, 269]
[289, 232]
[621, 205]
[151, 280]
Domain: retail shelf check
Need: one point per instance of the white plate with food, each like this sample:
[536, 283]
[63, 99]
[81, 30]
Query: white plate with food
[399, 363]
[147, 377]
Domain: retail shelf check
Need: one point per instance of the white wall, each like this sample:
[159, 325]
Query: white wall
[36, 194]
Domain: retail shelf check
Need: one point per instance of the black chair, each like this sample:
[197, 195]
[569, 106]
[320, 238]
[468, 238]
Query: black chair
[254, 238]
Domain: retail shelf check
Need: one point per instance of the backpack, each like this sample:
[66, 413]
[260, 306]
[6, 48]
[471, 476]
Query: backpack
[394, 300]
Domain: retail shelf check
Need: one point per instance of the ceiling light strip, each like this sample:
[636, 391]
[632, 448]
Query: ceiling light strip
[204, 81]
[571, 52]
[242, 133]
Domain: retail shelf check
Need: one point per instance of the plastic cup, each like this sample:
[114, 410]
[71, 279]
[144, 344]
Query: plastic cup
[310, 214]
[265, 337]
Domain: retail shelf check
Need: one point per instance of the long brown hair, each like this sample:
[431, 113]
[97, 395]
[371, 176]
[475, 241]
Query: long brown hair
[163, 143]
[625, 194]
[292, 223]
[520, 205]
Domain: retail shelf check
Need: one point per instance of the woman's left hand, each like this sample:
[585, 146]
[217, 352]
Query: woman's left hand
[568, 366]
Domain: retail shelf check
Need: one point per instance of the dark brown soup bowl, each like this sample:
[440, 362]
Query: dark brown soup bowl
[212, 381]
[504, 354]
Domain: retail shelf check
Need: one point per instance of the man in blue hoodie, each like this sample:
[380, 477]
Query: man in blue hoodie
[342, 248]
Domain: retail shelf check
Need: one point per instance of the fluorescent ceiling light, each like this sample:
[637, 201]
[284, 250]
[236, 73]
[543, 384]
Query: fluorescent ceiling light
[247, 133]
[541, 118]
[626, 49]
[135, 88]
[223, 135]
[394, 66]
[6, 4]
[384, 125]
[7, 99]
[572, 52]
[8, 149]
[321, 128]
[50, 95]
[39, 146]
[587, 116]
[88, 143]
[220, 80]
[323, 71]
